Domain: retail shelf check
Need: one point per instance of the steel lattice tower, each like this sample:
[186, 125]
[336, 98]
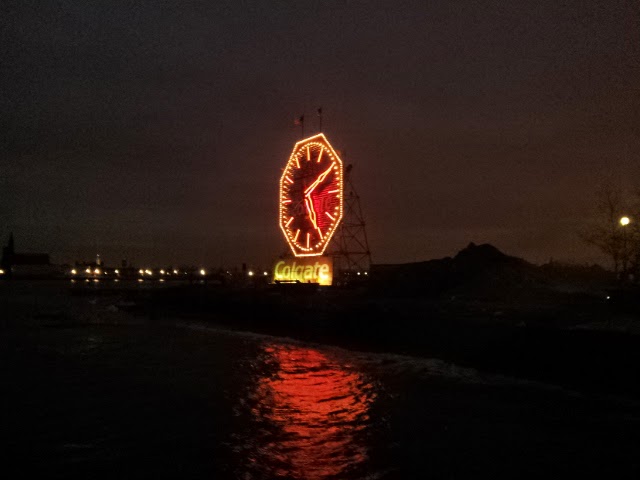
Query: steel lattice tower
[350, 248]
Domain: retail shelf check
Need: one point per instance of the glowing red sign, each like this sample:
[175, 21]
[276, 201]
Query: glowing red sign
[311, 189]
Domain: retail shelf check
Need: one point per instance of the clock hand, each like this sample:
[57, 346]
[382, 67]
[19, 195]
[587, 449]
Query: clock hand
[312, 214]
[309, 202]
[320, 178]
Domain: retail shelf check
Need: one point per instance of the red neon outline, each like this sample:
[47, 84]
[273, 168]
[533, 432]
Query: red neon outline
[319, 142]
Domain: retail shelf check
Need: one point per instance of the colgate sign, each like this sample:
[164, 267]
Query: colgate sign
[304, 270]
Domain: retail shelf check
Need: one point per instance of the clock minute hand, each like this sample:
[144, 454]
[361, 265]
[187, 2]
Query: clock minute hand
[320, 178]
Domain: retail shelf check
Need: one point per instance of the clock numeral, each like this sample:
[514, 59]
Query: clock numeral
[320, 154]
[295, 239]
[288, 222]
[328, 215]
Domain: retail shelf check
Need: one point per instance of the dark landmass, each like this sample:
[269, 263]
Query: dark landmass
[94, 392]
[97, 378]
[565, 325]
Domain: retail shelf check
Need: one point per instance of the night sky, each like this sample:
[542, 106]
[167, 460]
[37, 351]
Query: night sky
[156, 131]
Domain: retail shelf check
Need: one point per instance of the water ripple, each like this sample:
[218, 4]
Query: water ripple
[308, 415]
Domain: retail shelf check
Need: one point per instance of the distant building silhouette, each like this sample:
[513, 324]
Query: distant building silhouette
[27, 264]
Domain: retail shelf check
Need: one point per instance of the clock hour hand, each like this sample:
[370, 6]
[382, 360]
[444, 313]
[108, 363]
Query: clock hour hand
[312, 214]
[309, 202]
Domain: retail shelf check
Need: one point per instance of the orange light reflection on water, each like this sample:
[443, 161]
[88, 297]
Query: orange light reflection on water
[319, 410]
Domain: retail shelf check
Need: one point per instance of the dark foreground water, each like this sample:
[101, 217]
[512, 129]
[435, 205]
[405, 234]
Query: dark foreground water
[126, 399]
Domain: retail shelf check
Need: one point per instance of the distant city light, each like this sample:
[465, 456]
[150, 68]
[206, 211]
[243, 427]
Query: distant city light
[162, 279]
[624, 221]
[148, 272]
[140, 280]
[161, 272]
[73, 271]
[141, 272]
[1, 271]
[88, 270]
[250, 273]
[202, 272]
[175, 272]
[265, 273]
[97, 271]
[116, 271]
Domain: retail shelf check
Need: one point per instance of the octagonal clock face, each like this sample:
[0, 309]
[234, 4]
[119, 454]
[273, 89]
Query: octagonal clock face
[311, 191]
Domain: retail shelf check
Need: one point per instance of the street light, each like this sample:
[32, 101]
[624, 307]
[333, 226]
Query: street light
[624, 222]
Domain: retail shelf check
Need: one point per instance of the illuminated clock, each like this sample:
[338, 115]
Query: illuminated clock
[311, 189]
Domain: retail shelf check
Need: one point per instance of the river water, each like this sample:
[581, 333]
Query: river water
[176, 399]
